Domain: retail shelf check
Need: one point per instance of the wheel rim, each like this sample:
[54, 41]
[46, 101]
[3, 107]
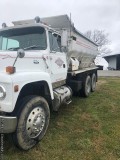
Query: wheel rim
[93, 83]
[35, 122]
[88, 86]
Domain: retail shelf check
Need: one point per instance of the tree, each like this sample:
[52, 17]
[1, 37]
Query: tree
[101, 39]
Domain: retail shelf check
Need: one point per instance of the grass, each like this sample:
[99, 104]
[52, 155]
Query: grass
[87, 129]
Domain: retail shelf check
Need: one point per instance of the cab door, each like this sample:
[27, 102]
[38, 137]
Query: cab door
[58, 61]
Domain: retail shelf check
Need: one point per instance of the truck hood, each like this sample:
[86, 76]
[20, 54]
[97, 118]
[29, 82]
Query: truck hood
[33, 60]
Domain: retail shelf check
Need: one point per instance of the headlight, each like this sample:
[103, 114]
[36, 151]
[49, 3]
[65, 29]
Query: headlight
[2, 92]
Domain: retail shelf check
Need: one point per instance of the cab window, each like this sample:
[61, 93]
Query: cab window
[55, 42]
[29, 38]
[9, 43]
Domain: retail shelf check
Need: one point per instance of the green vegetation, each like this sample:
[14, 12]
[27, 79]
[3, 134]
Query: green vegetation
[87, 129]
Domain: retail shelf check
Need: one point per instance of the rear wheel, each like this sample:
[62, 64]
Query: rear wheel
[33, 121]
[93, 82]
[86, 88]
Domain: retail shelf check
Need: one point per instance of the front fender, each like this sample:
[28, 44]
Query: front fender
[23, 78]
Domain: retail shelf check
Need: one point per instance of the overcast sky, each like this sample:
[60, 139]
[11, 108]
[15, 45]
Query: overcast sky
[86, 14]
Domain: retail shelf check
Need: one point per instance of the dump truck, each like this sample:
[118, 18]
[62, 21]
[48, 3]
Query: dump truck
[43, 63]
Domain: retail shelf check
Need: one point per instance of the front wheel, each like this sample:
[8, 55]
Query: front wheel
[33, 121]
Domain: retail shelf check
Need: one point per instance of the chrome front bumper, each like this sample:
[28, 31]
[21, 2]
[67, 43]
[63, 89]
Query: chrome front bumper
[8, 124]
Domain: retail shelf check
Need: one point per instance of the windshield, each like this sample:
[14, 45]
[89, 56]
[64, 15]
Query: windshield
[30, 38]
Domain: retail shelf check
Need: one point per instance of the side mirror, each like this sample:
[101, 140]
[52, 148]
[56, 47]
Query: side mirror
[64, 38]
[20, 53]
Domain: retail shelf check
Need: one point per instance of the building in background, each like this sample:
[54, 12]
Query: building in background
[113, 61]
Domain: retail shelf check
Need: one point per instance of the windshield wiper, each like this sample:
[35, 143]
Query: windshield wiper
[34, 47]
[27, 48]
[13, 49]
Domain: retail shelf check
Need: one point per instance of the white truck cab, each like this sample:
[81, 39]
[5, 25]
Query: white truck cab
[40, 68]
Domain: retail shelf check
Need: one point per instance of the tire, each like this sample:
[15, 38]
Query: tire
[33, 120]
[93, 82]
[86, 88]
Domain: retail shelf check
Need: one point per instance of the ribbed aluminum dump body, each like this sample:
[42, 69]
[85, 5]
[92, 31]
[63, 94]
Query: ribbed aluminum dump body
[80, 46]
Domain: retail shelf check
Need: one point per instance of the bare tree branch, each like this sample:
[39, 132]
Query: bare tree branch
[101, 39]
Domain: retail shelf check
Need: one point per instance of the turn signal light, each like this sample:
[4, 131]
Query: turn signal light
[10, 69]
[16, 88]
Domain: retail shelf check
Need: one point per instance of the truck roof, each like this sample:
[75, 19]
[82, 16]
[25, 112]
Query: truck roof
[27, 23]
